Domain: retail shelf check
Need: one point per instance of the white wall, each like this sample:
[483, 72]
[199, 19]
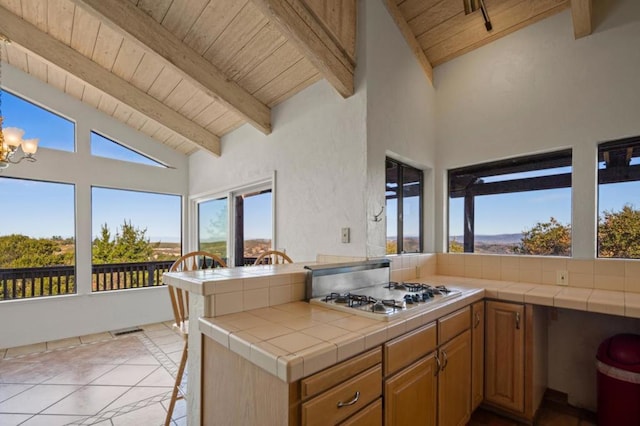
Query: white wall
[39, 320]
[328, 152]
[538, 90]
[317, 148]
[400, 119]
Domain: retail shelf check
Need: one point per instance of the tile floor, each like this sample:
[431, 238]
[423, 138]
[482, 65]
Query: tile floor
[117, 381]
[98, 379]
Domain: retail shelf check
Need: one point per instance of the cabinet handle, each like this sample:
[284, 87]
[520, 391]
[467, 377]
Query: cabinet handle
[517, 320]
[446, 360]
[477, 320]
[355, 399]
[438, 366]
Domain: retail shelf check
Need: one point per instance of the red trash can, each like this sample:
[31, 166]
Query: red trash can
[618, 365]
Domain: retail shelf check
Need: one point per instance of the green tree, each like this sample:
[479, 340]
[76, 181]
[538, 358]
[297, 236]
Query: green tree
[130, 244]
[455, 247]
[549, 238]
[619, 233]
[20, 251]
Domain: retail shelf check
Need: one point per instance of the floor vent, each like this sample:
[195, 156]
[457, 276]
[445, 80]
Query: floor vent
[126, 331]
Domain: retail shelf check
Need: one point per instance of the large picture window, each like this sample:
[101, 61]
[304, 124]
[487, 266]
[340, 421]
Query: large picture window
[241, 236]
[37, 257]
[136, 237]
[516, 206]
[403, 193]
[619, 199]
[102, 146]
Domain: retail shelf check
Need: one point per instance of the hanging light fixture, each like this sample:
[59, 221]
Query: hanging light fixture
[11, 137]
[473, 5]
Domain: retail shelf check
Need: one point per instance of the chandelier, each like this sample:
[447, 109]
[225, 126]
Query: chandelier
[11, 137]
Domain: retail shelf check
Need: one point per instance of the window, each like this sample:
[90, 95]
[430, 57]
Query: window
[136, 237]
[104, 147]
[213, 227]
[37, 257]
[619, 199]
[516, 206]
[53, 131]
[249, 233]
[403, 193]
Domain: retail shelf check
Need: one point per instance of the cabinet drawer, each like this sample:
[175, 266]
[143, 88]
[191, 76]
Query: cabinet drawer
[453, 324]
[330, 377]
[324, 409]
[406, 349]
[371, 415]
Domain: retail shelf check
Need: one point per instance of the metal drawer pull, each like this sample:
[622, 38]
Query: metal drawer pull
[438, 366]
[517, 320]
[446, 360]
[355, 399]
[477, 320]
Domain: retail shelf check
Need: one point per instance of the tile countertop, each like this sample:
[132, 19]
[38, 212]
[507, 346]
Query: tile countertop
[297, 339]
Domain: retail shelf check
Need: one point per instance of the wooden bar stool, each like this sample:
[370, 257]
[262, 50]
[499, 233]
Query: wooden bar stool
[180, 304]
[272, 257]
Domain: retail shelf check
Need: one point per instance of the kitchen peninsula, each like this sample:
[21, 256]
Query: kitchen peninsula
[291, 340]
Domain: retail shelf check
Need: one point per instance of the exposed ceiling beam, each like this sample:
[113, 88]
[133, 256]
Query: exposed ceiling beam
[298, 24]
[582, 14]
[125, 17]
[59, 54]
[406, 31]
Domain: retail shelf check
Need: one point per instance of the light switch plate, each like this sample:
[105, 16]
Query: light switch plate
[346, 235]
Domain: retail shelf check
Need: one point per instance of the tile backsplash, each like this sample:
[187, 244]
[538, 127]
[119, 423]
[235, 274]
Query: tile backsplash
[600, 274]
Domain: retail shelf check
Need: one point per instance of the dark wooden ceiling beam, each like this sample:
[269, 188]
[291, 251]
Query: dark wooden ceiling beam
[52, 51]
[125, 17]
[297, 23]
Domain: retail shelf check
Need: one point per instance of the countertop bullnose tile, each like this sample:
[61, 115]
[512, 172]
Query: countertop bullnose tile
[606, 302]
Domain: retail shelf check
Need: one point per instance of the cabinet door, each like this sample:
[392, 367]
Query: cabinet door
[504, 363]
[477, 354]
[410, 395]
[454, 382]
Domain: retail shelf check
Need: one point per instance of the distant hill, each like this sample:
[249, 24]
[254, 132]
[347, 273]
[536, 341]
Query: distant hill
[492, 239]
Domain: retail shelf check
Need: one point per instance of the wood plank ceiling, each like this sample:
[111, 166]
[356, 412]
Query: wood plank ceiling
[157, 88]
[187, 72]
[439, 30]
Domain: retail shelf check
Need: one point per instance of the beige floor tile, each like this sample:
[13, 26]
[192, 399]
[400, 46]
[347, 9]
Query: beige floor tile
[160, 377]
[97, 337]
[151, 415]
[2, 353]
[26, 372]
[9, 390]
[80, 374]
[138, 393]
[36, 399]
[142, 360]
[51, 420]
[13, 419]
[63, 343]
[87, 401]
[125, 375]
[26, 350]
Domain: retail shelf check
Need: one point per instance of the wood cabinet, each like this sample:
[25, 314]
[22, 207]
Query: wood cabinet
[515, 357]
[454, 382]
[477, 354]
[410, 396]
[371, 415]
[428, 374]
[333, 395]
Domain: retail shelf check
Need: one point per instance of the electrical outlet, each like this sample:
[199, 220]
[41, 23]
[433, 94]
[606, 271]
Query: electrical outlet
[562, 277]
[346, 235]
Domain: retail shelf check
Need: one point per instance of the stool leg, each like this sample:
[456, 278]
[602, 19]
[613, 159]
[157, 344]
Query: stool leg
[176, 386]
